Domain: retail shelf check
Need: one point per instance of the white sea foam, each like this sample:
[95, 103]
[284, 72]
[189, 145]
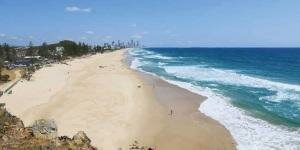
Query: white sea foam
[135, 63]
[229, 77]
[149, 54]
[250, 133]
[157, 56]
[161, 64]
[137, 52]
[283, 95]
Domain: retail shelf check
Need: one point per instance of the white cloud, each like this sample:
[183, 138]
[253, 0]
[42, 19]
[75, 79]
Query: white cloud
[145, 32]
[72, 8]
[14, 38]
[2, 35]
[86, 9]
[134, 25]
[83, 38]
[77, 9]
[89, 32]
[30, 37]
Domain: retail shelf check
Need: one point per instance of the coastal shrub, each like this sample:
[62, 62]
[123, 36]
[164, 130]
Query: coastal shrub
[4, 78]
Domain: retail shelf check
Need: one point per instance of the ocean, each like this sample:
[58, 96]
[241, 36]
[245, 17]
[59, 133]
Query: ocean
[253, 92]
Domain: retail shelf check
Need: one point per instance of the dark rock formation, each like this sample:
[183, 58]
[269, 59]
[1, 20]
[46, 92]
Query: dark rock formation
[136, 146]
[41, 136]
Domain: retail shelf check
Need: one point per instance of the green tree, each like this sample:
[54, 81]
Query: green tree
[70, 48]
[44, 50]
[1, 65]
[2, 53]
[73, 49]
[30, 51]
[10, 53]
[84, 49]
[6, 49]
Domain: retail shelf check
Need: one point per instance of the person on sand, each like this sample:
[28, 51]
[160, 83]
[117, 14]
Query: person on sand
[171, 112]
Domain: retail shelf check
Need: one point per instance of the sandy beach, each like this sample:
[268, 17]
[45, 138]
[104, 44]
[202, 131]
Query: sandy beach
[116, 106]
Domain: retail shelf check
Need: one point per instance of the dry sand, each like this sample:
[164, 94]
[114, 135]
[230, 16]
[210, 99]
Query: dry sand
[115, 106]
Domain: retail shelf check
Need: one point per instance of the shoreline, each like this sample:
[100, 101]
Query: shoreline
[225, 90]
[185, 106]
[116, 106]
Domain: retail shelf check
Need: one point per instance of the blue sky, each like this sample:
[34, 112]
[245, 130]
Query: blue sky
[184, 23]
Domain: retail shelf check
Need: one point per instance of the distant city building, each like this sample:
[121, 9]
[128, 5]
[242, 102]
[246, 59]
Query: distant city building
[106, 46]
[21, 52]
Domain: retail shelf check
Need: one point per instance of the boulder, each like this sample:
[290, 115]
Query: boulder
[80, 138]
[46, 129]
[41, 135]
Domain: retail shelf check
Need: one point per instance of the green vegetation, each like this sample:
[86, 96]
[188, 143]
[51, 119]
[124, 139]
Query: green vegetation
[12, 56]
[30, 50]
[44, 50]
[73, 49]
[7, 53]
[70, 48]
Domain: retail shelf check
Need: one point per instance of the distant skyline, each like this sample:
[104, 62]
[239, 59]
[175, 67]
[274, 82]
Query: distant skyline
[156, 23]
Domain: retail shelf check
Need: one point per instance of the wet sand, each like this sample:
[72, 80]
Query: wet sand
[186, 127]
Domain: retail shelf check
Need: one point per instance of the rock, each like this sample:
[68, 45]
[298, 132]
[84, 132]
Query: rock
[2, 109]
[4, 138]
[135, 146]
[2, 105]
[46, 129]
[41, 135]
[80, 138]
[6, 123]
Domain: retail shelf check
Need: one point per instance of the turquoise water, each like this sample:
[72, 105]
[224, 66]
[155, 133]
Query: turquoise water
[254, 92]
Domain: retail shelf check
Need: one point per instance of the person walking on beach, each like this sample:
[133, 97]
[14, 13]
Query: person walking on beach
[171, 112]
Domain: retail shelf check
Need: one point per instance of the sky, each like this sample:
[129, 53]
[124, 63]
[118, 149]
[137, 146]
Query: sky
[155, 23]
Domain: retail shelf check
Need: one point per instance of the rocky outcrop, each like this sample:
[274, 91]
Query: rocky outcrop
[42, 135]
[45, 129]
